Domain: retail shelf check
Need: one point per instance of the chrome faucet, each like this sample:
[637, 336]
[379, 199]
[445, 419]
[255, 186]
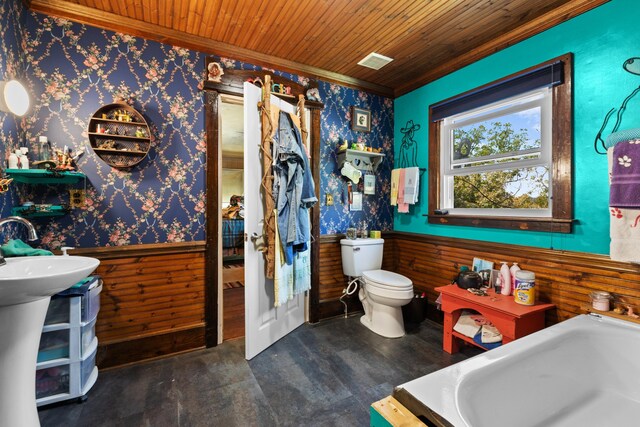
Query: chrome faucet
[30, 229]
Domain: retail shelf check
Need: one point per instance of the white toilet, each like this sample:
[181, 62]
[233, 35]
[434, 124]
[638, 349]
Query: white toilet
[382, 293]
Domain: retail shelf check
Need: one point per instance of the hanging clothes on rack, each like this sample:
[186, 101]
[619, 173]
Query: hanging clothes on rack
[293, 186]
[294, 194]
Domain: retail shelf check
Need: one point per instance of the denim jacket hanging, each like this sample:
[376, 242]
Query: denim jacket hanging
[293, 187]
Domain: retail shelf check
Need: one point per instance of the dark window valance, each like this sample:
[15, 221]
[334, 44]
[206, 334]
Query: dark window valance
[547, 75]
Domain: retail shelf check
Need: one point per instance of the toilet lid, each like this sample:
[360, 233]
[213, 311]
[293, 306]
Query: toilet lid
[387, 279]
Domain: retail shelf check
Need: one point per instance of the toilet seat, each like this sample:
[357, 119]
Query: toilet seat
[387, 280]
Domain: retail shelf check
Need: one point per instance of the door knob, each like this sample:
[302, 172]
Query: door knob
[258, 242]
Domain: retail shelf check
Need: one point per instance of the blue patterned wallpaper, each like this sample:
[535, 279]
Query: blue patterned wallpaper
[74, 69]
[336, 128]
[376, 212]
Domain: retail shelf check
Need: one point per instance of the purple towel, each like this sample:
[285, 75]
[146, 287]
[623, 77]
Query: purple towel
[625, 175]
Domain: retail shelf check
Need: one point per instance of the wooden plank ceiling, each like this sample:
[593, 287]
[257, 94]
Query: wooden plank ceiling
[326, 38]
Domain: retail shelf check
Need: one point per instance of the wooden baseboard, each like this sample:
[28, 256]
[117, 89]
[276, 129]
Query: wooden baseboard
[149, 347]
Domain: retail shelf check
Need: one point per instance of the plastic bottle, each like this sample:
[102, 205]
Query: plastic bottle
[13, 161]
[45, 148]
[24, 160]
[514, 268]
[505, 279]
[19, 156]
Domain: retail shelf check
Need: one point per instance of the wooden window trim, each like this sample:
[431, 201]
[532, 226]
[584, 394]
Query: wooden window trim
[561, 219]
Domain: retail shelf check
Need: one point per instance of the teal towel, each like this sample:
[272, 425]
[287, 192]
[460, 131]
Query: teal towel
[19, 248]
[623, 135]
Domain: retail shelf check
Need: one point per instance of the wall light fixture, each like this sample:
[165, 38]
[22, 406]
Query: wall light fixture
[14, 97]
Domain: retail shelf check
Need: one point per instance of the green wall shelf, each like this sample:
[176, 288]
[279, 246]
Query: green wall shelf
[44, 176]
[32, 212]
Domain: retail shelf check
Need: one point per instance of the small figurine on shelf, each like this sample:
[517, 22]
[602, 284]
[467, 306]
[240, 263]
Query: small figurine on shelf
[64, 160]
[140, 133]
[4, 184]
[107, 145]
[313, 94]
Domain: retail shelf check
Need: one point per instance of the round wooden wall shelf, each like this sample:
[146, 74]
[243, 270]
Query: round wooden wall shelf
[119, 135]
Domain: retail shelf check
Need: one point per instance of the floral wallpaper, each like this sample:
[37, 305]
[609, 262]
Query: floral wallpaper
[376, 211]
[73, 70]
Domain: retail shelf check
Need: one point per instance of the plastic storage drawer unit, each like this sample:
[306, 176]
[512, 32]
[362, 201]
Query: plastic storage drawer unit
[68, 344]
[54, 345]
[68, 380]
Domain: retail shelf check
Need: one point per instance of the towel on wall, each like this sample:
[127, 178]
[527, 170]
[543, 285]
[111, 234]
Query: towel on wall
[411, 185]
[395, 176]
[403, 207]
[623, 135]
[625, 175]
[624, 228]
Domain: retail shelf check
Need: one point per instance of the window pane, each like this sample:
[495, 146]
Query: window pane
[526, 188]
[498, 136]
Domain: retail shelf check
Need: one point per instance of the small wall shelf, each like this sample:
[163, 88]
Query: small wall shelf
[33, 212]
[362, 160]
[119, 135]
[44, 176]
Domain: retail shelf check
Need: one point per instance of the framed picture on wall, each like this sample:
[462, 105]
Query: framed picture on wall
[360, 119]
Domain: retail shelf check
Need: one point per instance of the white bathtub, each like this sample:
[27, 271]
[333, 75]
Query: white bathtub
[582, 372]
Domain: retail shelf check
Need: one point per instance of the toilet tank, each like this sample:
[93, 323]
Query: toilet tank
[361, 255]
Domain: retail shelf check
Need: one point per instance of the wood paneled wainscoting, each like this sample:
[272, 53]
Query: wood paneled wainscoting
[563, 278]
[152, 302]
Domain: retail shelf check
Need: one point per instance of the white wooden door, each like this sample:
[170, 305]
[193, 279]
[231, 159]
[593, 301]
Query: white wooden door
[264, 323]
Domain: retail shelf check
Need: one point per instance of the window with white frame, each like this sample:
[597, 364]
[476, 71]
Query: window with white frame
[496, 160]
[500, 156]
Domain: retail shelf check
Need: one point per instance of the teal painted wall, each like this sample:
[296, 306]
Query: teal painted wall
[601, 40]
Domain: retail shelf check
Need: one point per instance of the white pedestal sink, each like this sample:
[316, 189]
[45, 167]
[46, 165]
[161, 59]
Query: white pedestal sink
[26, 286]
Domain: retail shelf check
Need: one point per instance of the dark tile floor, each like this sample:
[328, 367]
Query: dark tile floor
[320, 375]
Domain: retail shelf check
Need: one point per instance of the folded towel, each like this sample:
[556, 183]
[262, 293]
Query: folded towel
[625, 175]
[623, 135]
[490, 334]
[489, 346]
[19, 248]
[395, 176]
[411, 185]
[468, 324]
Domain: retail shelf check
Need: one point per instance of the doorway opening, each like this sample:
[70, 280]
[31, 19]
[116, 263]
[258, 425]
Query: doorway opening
[230, 92]
[231, 259]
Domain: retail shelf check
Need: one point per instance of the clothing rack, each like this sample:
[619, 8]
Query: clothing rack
[268, 132]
